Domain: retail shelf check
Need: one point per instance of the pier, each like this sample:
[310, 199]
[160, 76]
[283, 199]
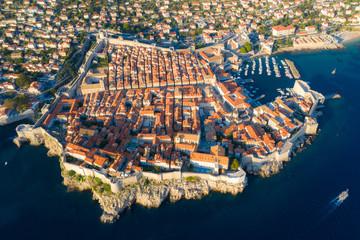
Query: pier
[293, 69]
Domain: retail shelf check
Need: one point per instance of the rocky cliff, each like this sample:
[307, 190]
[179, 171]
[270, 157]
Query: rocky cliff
[36, 137]
[265, 170]
[146, 192]
[149, 193]
[270, 168]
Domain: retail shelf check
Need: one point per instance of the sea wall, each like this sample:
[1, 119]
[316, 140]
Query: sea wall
[116, 185]
[239, 178]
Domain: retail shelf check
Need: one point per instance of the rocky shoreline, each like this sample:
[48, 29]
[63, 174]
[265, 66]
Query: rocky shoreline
[274, 167]
[303, 143]
[148, 193]
[37, 137]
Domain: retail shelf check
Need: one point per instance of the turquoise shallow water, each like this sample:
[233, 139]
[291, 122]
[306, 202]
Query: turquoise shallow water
[294, 204]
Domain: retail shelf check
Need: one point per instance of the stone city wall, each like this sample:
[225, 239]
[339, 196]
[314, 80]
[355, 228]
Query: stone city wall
[116, 186]
[27, 114]
[204, 176]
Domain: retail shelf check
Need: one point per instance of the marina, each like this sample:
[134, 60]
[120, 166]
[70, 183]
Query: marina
[250, 77]
[256, 67]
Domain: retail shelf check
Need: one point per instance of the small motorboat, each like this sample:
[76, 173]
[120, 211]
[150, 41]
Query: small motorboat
[343, 195]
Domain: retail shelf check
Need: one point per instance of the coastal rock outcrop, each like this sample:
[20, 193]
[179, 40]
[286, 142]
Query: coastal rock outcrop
[196, 189]
[152, 195]
[177, 192]
[74, 185]
[265, 170]
[271, 168]
[223, 187]
[148, 193]
[36, 137]
[114, 204]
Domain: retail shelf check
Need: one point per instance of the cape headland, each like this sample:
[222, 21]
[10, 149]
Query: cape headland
[147, 189]
[116, 194]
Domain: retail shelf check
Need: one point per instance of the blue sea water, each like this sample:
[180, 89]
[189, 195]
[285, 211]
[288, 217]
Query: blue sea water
[295, 204]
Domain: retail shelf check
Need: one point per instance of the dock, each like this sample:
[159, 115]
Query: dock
[293, 69]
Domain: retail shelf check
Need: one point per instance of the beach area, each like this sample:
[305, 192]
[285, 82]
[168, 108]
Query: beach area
[342, 37]
[332, 46]
[346, 36]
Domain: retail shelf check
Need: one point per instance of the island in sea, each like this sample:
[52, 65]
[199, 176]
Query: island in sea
[142, 124]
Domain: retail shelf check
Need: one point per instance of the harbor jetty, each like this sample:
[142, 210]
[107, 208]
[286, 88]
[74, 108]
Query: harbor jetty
[333, 96]
[293, 69]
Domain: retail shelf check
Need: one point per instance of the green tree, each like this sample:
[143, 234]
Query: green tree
[18, 102]
[23, 80]
[289, 42]
[248, 47]
[107, 187]
[9, 103]
[79, 178]
[126, 26]
[22, 99]
[242, 50]
[234, 164]
[199, 45]
[71, 173]
[98, 181]
[192, 179]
